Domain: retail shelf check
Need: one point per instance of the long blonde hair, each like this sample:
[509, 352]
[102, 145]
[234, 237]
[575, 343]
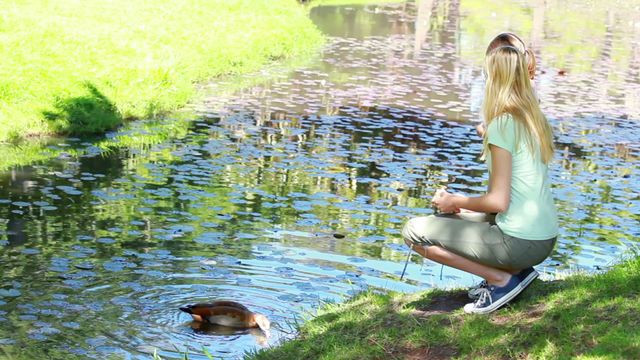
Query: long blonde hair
[511, 39]
[508, 91]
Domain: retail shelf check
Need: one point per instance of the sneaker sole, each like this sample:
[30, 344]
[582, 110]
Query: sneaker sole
[526, 281]
[497, 304]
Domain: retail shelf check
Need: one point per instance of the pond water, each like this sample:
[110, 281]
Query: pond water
[292, 192]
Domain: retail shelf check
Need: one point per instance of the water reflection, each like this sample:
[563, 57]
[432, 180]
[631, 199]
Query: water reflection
[292, 193]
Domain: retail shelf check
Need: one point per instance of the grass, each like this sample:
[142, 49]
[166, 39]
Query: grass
[584, 317]
[76, 67]
[351, 2]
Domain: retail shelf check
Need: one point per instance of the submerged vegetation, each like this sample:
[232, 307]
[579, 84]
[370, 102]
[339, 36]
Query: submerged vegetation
[582, 316]
[70, 69]
[135, 137]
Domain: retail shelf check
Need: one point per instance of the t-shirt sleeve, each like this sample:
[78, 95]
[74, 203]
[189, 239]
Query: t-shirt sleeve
[501, 133]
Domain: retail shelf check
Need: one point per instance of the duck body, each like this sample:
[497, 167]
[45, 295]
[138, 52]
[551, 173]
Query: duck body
[226, 313]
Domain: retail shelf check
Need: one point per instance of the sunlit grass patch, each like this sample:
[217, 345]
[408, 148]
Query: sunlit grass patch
[82, 67]
[350, 2]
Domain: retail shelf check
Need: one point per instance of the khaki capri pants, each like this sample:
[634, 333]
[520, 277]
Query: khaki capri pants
[476, 237]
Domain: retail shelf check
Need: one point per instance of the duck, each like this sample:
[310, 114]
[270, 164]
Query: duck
[227, 313]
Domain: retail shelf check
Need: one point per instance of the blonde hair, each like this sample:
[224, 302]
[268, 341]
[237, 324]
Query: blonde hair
[511, 39]
[508, 91]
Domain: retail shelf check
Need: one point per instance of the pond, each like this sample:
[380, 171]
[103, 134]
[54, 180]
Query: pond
[292, 191]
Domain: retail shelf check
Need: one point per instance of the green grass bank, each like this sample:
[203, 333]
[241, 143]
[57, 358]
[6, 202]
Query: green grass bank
[581, 317]
[350, 2]
[75, 68]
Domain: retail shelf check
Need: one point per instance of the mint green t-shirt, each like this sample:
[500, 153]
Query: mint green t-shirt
[532, 212]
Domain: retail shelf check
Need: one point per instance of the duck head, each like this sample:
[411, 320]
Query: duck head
[262, 321]
[189, 310]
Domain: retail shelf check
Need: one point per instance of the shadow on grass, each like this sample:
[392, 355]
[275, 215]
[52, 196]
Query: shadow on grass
[370, 326]
[593, 316]
[92, 113]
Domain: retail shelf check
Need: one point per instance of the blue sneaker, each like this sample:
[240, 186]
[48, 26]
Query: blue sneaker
[493, 297]
[526, 276]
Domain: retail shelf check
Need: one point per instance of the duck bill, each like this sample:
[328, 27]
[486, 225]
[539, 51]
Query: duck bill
[265, 332]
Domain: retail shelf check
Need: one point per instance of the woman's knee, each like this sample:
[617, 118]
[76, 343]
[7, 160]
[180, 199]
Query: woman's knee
[415, 229]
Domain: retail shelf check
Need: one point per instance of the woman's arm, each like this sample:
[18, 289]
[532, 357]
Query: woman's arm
[495, 200]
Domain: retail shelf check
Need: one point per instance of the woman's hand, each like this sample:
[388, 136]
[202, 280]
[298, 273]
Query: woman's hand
[480, 129]
[444, 201]
[409, 243]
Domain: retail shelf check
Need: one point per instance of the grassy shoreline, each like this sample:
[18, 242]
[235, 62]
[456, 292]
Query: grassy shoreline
[585, 317]
[76, 68]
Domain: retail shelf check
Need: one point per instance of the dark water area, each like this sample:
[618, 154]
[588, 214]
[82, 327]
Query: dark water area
[292, 193]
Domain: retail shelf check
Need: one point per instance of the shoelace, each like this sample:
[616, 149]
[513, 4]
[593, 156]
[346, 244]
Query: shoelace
[483, 284]
[485, 294]
[473, 291]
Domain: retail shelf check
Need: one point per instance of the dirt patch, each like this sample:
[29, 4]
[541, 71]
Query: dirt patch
[528, 316]
[443, 304]
[431, 353]
[535, 312]
[501, 319]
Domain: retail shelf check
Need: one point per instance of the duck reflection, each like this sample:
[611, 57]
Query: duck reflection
[205, 328]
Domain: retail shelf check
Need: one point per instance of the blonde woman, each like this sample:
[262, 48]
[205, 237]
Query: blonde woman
[518, 145]
[511, 39]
